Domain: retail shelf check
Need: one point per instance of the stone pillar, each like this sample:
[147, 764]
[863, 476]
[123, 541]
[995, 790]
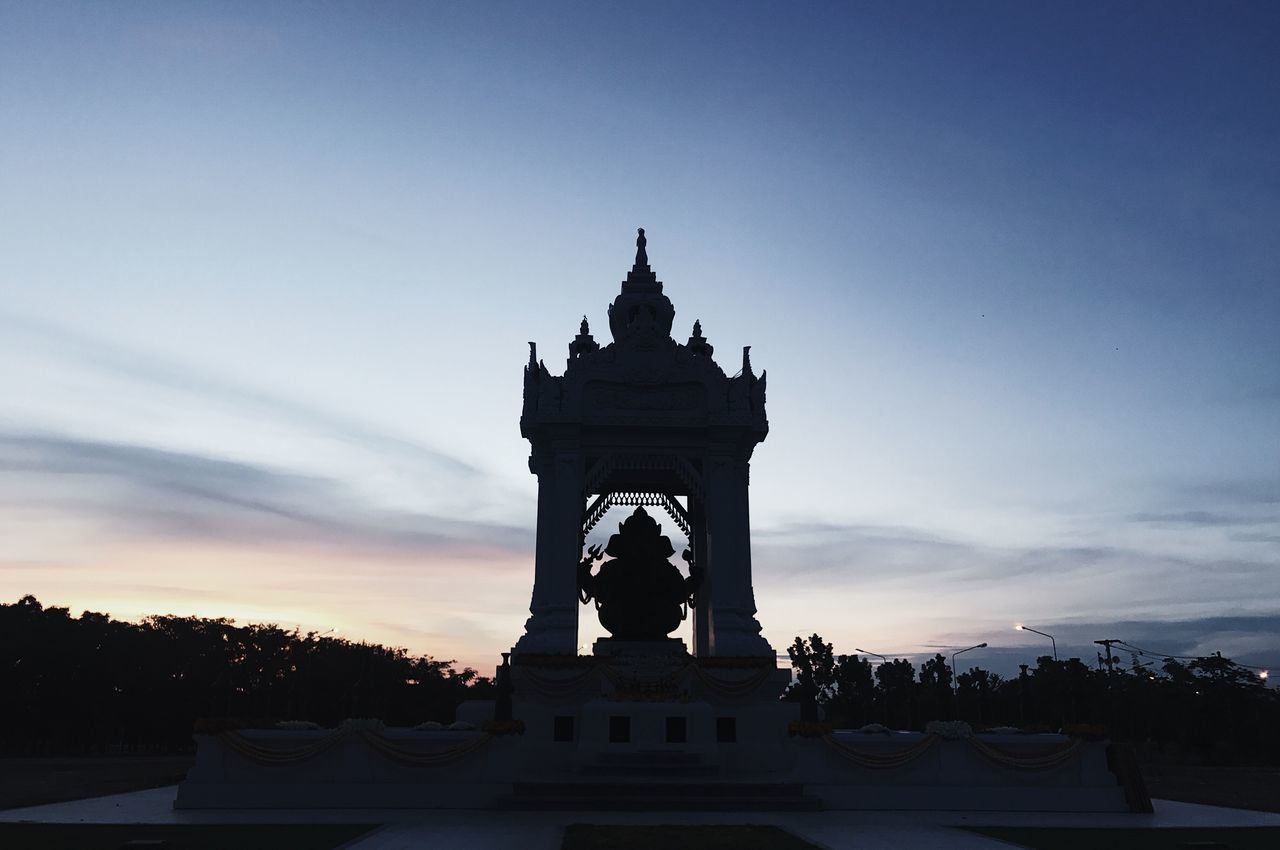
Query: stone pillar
[702, 612]
[552, 627]
[734, 628]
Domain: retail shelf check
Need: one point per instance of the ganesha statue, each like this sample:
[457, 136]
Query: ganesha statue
[640, 595]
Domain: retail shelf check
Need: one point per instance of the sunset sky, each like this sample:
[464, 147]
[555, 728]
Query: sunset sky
[268, 273]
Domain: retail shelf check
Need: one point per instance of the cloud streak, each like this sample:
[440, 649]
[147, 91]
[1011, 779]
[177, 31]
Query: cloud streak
[147, 492]
[94, 353]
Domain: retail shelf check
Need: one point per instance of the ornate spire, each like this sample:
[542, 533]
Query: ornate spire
[641, 305]
[697, 344]
[583, 343]
[641, 278]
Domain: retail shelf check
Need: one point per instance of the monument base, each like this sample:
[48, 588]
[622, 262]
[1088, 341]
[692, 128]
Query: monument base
[657, 730]
[400, 768]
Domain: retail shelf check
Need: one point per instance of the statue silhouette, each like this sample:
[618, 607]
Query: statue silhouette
[640, 594]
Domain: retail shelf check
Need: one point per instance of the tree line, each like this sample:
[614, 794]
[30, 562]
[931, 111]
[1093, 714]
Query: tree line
[1210, 705]
[91, 684]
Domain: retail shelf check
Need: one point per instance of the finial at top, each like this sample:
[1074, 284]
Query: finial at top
[698, 344]
[583, 329]
[642, 257]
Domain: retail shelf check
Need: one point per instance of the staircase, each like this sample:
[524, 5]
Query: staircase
[656, 764]
[660, 796]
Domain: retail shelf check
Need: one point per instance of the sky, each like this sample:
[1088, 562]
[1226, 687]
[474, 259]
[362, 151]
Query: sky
[268, 273]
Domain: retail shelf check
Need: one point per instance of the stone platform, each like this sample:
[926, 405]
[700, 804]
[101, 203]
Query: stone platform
[475, 770]
[652, 732]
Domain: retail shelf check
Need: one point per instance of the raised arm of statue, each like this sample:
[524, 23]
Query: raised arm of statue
[694, 582]
[586, 581]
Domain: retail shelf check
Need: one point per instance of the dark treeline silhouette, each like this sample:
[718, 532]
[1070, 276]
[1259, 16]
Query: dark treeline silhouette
[92, 684]
[1210, 705]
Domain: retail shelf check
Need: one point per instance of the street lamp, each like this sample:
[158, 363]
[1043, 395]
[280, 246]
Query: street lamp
[1023, 628]
[954, 685]
[884, 702]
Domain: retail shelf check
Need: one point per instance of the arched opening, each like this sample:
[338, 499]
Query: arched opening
[605, 523]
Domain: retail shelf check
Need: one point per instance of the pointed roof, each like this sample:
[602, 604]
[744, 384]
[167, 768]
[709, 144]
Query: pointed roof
[641, 278]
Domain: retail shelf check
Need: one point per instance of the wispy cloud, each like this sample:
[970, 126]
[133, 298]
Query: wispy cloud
[902, 553]
[93, 353]
[140, 491]
[1195, 518]
[1253, 491]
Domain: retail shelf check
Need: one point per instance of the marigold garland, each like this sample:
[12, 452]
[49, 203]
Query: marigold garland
[274, 757]
[1042, 759]
[879, 760]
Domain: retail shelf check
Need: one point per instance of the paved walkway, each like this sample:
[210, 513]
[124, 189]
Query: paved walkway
[474, 830]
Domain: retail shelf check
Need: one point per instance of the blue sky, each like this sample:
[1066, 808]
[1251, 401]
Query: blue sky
[268, 274]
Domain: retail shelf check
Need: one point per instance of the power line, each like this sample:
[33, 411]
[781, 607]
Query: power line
[1147, 653]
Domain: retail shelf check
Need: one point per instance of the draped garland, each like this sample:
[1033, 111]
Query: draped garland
[276, 757]
[881, 761]
[1044, 759]
[731, 687]
[418, 758]
[551, 686]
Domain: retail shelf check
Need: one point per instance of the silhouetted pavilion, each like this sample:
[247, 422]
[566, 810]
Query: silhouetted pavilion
[642, 421]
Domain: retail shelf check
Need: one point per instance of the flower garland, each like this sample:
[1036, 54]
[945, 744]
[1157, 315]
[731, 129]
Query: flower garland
[273, 757]
[732, 688]
[419, 758]
[1045, 759]
[550, 686]
[242, 746]
[881, 761]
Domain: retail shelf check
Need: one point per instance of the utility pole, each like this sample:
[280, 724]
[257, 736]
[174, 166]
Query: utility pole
[1111, 708]
[1107, 643]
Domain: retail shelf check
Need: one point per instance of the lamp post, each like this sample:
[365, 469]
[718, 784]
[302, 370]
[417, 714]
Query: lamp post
[885, 699]
[883, 660]
[954, 685]
[1023, 628]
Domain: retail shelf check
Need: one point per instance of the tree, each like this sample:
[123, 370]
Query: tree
[853, 703]
[935, 686]
[897, 680]
[91, 683]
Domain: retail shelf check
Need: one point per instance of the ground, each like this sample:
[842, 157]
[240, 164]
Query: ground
[32, 781]
[1236, 787]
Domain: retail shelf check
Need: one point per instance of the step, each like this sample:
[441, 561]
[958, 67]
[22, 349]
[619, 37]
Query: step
[667, 771]
[659, 796]
[644, 803]
[663, 789]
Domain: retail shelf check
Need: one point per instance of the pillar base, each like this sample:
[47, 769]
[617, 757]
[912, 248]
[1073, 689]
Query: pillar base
[549, 632]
